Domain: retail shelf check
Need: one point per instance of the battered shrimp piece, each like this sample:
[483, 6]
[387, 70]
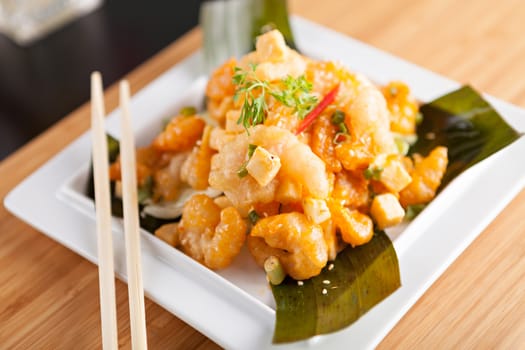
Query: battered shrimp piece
[298, 243]
[167, 179]
[209, 234]
[351, 190]
[403, 107]
[180, 134]
[298, 163]
[220, 84]
[326, 74]
[355, 227]
[273, 58]
[426, 178]
[241, 191]
[322, 142]
[368, 119]
[196, 168]
[333, 244]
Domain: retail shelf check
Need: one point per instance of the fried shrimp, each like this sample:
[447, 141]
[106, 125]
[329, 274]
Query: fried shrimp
[209, 234]
[298, 243]
[298, 157]
[369, 120]
[426, 178]
[299, 164]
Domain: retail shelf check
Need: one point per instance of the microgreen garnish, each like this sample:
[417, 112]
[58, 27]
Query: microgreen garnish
[296, 94]
[291, 92]
[373, 173]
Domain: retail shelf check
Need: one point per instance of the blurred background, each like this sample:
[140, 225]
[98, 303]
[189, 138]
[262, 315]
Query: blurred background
[45, 80]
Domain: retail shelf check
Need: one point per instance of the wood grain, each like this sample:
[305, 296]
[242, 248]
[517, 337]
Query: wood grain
[49, 295]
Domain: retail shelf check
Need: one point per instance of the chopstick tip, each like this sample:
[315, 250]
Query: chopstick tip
[96, 76]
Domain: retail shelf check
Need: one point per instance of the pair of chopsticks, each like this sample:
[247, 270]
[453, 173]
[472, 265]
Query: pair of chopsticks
[131, 220]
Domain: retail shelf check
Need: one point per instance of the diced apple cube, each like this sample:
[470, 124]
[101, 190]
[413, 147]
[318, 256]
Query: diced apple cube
[393, 174]
[316, 210]
[386, 210]
[263, 166]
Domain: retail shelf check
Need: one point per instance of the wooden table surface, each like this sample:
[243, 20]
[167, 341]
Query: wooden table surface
[49, 295]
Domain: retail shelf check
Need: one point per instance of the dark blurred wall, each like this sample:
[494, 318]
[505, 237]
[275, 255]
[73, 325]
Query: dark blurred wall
[43, 82]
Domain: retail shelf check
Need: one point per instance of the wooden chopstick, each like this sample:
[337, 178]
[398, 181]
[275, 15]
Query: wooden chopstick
[106, 277]
[131, 220]
[131, 224]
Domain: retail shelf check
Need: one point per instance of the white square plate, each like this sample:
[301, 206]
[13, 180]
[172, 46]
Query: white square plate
[235, 307]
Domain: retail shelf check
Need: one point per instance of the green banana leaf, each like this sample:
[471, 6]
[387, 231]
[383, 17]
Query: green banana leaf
[358, 279]
[465, 123]
[472, 130]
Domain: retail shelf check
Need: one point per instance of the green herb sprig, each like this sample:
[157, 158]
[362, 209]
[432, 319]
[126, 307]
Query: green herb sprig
[291, 92]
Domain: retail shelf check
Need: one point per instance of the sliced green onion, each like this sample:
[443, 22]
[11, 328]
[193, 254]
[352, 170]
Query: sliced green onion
[373, 173]
[253, 217]
[414, 210]
[338, 117]
[343, 128]
[242, 172]
[274, 270]
[251, 149]
[402, 145]
[188, 111]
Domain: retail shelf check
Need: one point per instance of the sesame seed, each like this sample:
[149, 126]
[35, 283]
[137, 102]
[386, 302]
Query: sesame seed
[300, 283]
[326, 282]
[330, 267]
[324, 291]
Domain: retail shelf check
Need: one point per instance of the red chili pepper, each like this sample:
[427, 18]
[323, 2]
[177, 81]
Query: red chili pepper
[309, 119]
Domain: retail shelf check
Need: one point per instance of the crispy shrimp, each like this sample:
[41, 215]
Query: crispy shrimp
[273, 58]
[368, 119]
[298, 163]
[351, 190]
[196, 168]
[181, 133]
[223, 176]
[355, 227]
[220, 90]
[209, 234]
[403, 107]
[426, 178]
[298, 243]
[322, 142]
